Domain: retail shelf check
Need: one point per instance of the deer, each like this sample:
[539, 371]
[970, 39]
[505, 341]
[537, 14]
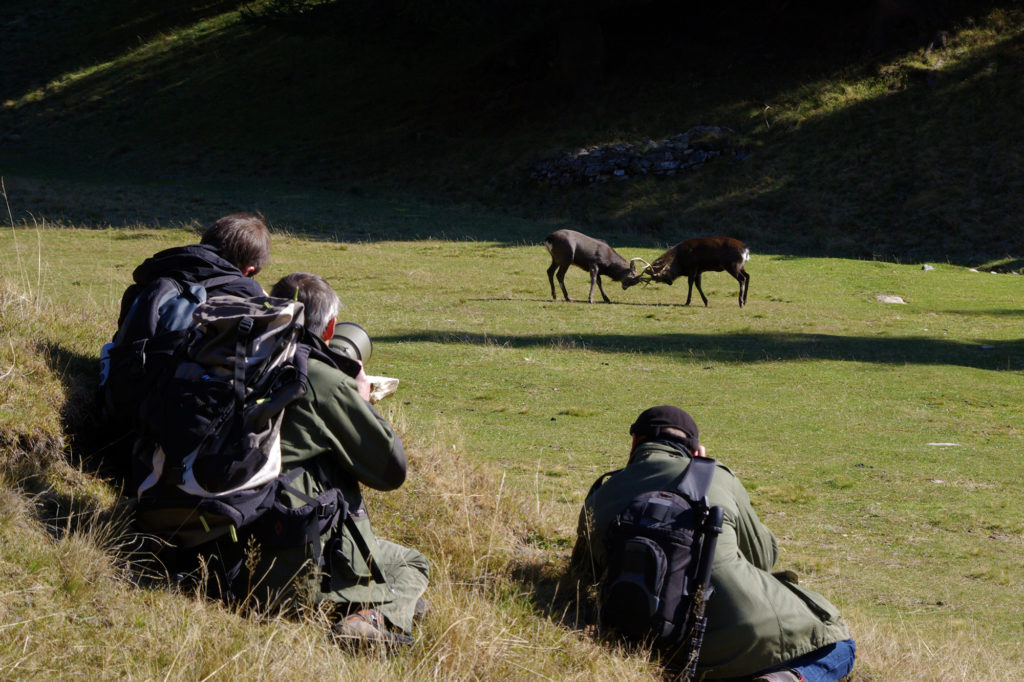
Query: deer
[569, 247]
[692, 257]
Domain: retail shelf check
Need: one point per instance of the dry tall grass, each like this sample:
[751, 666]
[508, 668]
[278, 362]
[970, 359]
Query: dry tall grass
[73, 606]
[890, 649]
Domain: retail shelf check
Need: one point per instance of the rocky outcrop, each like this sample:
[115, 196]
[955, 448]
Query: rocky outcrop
[627, 160]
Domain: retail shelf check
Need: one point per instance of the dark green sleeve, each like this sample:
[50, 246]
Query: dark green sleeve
[334, 421]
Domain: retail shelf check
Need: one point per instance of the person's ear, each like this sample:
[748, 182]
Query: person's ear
[249, 271]
[329, 330]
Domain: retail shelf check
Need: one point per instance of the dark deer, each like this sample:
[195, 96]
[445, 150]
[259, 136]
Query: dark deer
[692, 257]
[568, 247]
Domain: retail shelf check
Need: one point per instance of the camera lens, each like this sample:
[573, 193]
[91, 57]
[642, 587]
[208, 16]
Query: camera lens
[352, 340]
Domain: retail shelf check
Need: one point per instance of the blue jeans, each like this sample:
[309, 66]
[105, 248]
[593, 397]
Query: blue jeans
[826, 664]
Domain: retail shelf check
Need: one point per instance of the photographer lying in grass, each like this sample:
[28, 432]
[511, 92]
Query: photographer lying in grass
[760, 625]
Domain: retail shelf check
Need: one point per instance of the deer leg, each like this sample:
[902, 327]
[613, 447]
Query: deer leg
[595, 276]
[561, 280]
[551, 279]
[741, 277]
[593, 279]
[689, 290]
[744, 287]
[696, 280]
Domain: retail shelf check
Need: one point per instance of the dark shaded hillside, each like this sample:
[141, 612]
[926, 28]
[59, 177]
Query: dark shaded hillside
[40, 42]
[897, 153]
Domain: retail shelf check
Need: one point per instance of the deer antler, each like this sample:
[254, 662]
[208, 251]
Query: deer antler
[633, 260]
[647, 274]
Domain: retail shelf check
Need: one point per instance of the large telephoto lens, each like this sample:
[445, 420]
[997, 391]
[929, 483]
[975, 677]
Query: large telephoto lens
[352, 340]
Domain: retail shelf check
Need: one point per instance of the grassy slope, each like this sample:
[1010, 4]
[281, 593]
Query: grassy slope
[847, 159]
[824, 401]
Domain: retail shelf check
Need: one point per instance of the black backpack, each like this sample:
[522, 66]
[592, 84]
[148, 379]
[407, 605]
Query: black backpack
[660, 548]
[208, 457]
[152, 327]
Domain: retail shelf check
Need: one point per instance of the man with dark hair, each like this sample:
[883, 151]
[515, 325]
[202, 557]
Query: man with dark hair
[336, 435]
[232, 251]
[167, 287]
[242, 239]
[760, 625]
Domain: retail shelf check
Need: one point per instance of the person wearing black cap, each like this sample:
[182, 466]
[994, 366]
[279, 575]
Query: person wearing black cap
[760, 625]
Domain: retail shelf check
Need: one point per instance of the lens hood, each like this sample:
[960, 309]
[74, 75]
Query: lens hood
[352, 340]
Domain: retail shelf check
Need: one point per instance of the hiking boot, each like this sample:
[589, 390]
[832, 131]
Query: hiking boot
[367, 628]
[421, 609]
[779, 676]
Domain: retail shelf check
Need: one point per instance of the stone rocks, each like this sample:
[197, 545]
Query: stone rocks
[627, 160]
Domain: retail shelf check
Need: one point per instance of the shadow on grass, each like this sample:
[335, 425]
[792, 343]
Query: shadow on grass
[66, 506]
[554, 593]
[93, 446]
[760, 347]
[1007, 312]
[584, 301]
[1015, 265]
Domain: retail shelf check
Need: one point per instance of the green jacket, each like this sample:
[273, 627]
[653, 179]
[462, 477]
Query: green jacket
[755, 619]
[341, 441]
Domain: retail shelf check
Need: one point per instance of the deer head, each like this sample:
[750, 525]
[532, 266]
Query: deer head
[635, 277]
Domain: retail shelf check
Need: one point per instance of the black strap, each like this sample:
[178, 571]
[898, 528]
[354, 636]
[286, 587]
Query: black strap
[320, 350]
[600, 481]
[364, 549]
[287, 480]
[216, 282]
[241, 353]
[350, 522]
[697, 479]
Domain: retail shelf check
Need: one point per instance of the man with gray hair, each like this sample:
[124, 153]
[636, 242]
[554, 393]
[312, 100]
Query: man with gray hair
[340, 441]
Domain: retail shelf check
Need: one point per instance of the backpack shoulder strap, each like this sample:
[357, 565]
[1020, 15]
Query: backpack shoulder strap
[697, 479]
[600, 481]
[212, 282]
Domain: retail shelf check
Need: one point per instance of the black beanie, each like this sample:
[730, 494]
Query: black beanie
[652, 420]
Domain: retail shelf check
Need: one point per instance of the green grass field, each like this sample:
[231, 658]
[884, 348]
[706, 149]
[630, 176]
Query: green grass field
[877, 440]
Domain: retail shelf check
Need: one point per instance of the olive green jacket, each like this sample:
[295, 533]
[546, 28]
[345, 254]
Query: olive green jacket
[341, 441]
[755, 619]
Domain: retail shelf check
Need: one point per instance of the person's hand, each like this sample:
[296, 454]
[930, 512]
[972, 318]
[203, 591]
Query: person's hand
[363, 383]
[700, 452]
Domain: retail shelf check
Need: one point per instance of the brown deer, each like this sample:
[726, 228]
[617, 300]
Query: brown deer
[692, 257]
[568, 247]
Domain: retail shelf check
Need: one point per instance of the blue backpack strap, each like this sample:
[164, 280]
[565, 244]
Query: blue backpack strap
[697, 479]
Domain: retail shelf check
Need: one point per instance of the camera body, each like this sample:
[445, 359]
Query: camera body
[352, 340]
